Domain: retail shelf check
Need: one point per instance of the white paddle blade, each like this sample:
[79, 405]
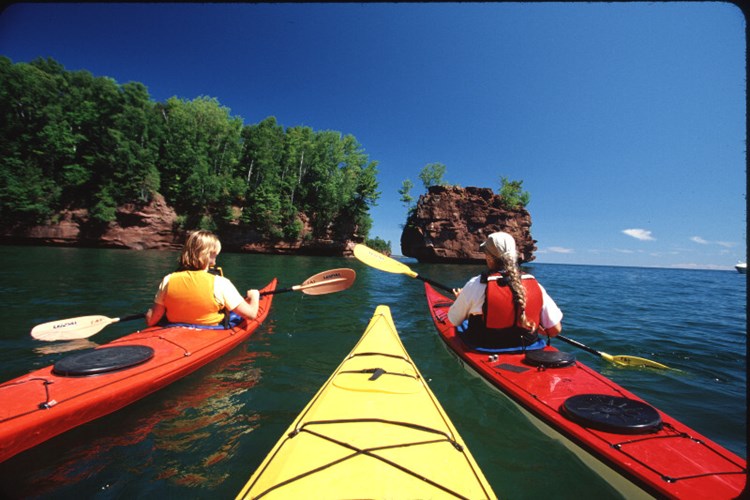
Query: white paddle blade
[72, 328]
[333, 280]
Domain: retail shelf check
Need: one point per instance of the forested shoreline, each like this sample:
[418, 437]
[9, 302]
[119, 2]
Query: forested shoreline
[70, 140]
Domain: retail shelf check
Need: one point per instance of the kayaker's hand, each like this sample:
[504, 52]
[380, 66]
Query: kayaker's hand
[249, 308]
[253, 295]
[552, 331]
[154, 314]
[457, 291]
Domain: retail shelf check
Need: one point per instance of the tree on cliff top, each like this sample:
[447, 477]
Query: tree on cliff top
[380, 245]
[405, 192]
[513, 194]
[432, 175]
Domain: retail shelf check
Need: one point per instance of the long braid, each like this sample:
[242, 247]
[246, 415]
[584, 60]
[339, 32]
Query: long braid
[513, 274]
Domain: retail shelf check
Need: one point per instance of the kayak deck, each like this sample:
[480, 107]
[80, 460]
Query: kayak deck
[643, 446]
[57, 398]
[373, 430]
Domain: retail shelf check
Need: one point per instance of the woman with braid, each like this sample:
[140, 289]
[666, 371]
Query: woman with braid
[506, 310]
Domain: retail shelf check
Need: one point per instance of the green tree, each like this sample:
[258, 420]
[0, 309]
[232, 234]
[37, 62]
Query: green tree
[263, 146]
[72, 140]
[26, 199]
[200, 151]
[92, 104]
[405, 192]
[33, 141]
[432, 175]
[295, 162]
[104, 207]
[512, 194]
[379, 245]
[136, 134]
[338, 184]
[324, 196]
[359, 185]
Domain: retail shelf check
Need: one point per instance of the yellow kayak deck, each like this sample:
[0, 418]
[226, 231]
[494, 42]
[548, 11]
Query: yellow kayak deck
[374, 430]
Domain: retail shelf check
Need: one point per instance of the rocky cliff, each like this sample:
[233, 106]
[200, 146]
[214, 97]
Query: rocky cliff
[239, 238]
[139, 227]
[450, 222]
[154, 226]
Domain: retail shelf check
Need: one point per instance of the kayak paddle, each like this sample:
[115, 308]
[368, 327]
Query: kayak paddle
[380, 261]
[331, 281]
[621, 360]
[82, 327]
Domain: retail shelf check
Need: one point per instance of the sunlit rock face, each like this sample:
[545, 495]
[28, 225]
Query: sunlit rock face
[146, 226]
[155, 225]
[450, 222]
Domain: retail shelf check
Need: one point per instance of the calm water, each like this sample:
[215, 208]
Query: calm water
[203, 436]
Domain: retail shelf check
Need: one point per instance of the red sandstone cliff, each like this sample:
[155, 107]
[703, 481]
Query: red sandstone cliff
[154, 226]
[450, 222]
[138, 227]
[239, 238]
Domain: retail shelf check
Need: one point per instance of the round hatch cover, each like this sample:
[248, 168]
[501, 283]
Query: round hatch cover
[612, 414]
[549, 359]
[103, 360]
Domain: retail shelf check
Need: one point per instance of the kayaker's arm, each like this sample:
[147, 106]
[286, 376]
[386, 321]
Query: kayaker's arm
[158, 309]
[249, 308]
[154, 314]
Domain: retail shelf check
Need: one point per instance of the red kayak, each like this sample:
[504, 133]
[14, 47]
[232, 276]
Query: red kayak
[84, 386]
[640, 450]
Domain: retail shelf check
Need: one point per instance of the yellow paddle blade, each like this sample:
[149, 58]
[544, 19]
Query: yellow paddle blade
[625, 360]
[379, 261]
[633, 361]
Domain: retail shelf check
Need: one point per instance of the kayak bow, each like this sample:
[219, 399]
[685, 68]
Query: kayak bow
[374, 430]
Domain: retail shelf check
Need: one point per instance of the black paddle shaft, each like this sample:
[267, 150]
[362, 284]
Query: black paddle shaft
[578, 344]
[133, 316]
[435, 283]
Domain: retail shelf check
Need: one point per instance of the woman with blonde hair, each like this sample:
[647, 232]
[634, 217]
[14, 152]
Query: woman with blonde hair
[195, 296]
[505, 308]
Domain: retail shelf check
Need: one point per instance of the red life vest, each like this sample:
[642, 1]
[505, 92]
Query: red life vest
[501, 313]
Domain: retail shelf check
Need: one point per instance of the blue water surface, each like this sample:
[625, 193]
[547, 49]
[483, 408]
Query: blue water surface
[203, 436]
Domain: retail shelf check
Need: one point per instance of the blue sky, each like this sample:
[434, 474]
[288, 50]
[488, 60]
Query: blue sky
[625, 121]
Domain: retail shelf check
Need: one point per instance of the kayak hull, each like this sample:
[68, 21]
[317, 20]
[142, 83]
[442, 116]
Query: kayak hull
[43, 404]
[665, 460]
[373, 430]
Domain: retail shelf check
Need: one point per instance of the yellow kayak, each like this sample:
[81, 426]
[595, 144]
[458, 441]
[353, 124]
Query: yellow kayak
[374, 430]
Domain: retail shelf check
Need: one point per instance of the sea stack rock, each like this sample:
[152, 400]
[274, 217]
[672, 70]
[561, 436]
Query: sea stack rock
[450, 222]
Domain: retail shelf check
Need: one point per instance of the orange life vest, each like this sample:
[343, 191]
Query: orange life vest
[189, 298]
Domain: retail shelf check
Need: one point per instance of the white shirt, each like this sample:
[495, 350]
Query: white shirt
[471, 300]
